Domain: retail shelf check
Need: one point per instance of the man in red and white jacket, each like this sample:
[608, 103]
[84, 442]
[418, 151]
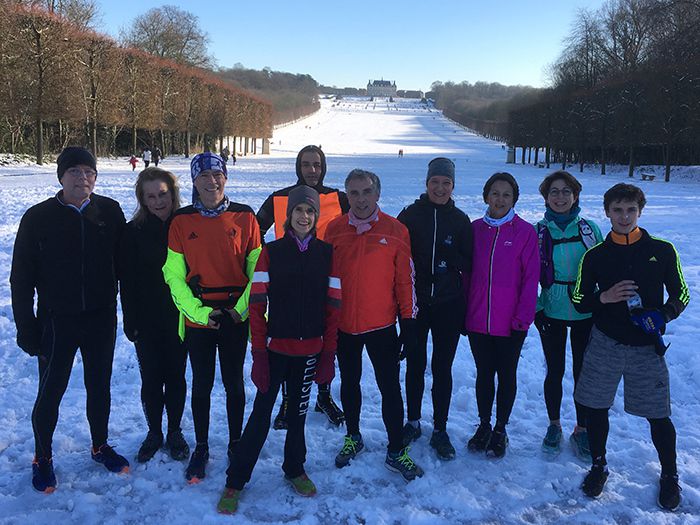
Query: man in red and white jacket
[373, 251]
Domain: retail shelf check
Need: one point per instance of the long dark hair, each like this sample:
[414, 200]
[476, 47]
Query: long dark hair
[150, 174]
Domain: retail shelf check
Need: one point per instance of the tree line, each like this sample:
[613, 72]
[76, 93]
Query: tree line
[625, 89]
[61, 83]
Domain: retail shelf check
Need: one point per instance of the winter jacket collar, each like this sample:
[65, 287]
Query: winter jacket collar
[626, 239]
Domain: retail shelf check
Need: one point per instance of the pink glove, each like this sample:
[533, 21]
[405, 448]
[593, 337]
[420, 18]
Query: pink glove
[325, 369]
[260, 374]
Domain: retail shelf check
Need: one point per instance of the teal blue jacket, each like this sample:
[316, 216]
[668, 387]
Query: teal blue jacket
[556, 300]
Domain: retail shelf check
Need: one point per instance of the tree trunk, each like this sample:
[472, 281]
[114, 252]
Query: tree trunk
[602, 160]
[188, 136]
[630, 173]
[537, 151]
[667, 172]
[39, 141]
[522, 157]
[547, 153]
[133, 140]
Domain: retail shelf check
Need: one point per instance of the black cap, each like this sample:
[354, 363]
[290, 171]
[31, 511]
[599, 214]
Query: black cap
[74, 156]
[441, 166]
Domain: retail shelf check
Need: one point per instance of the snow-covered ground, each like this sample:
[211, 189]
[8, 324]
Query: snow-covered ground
[524, 487]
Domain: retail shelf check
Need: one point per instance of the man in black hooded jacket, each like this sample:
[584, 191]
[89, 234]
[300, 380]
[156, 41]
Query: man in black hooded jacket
[310, 170]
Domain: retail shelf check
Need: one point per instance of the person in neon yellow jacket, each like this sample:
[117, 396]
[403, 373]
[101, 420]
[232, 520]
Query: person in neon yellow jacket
[213, 246]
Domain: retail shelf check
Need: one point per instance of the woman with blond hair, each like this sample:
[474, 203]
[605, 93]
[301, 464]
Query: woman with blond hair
[150, 317]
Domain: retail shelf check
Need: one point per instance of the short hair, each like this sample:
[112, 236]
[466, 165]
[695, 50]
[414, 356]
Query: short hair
[150, 174]
[624, 192]
[505, 177]
[571, 181]
[363, 174]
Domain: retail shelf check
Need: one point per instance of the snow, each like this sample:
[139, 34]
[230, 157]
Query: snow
[523, 487]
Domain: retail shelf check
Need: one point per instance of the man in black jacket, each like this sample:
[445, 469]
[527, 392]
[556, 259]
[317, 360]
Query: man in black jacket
[310, 170]
[622, 282]
[441, 246]
[65, 252]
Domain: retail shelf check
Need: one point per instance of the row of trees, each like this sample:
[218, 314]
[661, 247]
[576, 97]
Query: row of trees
[61, 83]
[626, 88]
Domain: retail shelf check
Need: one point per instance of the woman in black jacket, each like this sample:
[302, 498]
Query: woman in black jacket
[441, 245]
[150, 317]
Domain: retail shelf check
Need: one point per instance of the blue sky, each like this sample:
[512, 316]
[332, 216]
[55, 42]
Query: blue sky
[348, 43]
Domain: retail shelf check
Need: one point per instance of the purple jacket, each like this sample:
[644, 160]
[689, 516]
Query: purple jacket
[501, 290]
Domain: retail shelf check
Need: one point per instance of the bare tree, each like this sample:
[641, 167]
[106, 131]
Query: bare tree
[169, 32]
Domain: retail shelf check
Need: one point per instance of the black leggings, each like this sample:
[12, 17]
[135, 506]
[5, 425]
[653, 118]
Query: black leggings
[663, 435]
[297, 372]
[443, 321]
[201, 345]
[496, 355]
[383, 350]
[554, 347]
[94, 333]
[162, 363]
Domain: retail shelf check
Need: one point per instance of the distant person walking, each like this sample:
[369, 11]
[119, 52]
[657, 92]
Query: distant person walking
[64, 254]
[133, 161]
[146, 157]
[157, 156]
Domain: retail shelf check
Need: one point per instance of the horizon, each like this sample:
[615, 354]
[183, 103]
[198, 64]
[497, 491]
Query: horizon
[328, 48]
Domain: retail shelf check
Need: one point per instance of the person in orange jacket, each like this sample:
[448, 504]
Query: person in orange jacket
[373, 251]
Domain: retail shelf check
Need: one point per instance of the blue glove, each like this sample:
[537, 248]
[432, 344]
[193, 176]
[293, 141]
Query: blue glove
[652, 322]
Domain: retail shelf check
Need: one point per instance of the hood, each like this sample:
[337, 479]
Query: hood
[315, 149]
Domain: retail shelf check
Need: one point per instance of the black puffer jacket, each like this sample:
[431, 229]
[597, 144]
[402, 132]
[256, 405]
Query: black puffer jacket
[147, 305]
[68, 258]
[441, 245]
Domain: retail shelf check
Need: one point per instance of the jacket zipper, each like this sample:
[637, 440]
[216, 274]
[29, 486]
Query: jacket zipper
[488, 301]
[432, 283]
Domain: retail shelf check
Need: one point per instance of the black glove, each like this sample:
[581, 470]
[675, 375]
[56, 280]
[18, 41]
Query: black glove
[29, 338]
[542, 322]
[408, 338]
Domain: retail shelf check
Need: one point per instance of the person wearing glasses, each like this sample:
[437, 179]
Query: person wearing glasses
[310, 170]
[563, 236]
[65, 253]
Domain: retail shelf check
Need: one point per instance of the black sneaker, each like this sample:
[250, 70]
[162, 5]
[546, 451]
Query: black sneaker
[110, 459]
[177, 445]
[352, 446]
[280, 422]
[480, 438]
[149, 447]
[669, 492]
[497, 444]
[410, 433]
[440, 441]
[43, 477]
[196, 469]
[402, 463]
[594, 481]
[326, 405]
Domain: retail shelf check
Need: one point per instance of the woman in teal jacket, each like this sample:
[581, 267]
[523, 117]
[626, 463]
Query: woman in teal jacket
[563, 239]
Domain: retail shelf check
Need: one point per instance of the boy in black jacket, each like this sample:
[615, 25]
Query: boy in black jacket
[622, 281]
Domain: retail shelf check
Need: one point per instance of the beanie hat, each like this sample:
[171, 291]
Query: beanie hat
[303, 195]
[207, 161]
[506, 177]
[441, 166]
[74, 156]
[202, 162]
[314, 149]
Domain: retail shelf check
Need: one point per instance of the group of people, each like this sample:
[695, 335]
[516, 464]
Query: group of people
[196, 281]
[148, 156]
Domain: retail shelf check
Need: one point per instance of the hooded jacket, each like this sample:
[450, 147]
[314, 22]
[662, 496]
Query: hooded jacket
[501, 289]
[274, 210]
[441, 246]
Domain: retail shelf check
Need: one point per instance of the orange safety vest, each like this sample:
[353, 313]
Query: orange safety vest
[330, 209]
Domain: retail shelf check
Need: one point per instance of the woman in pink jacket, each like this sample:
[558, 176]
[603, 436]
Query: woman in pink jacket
[501, 296]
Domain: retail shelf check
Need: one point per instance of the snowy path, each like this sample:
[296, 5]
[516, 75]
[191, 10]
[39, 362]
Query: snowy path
[523, 487]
